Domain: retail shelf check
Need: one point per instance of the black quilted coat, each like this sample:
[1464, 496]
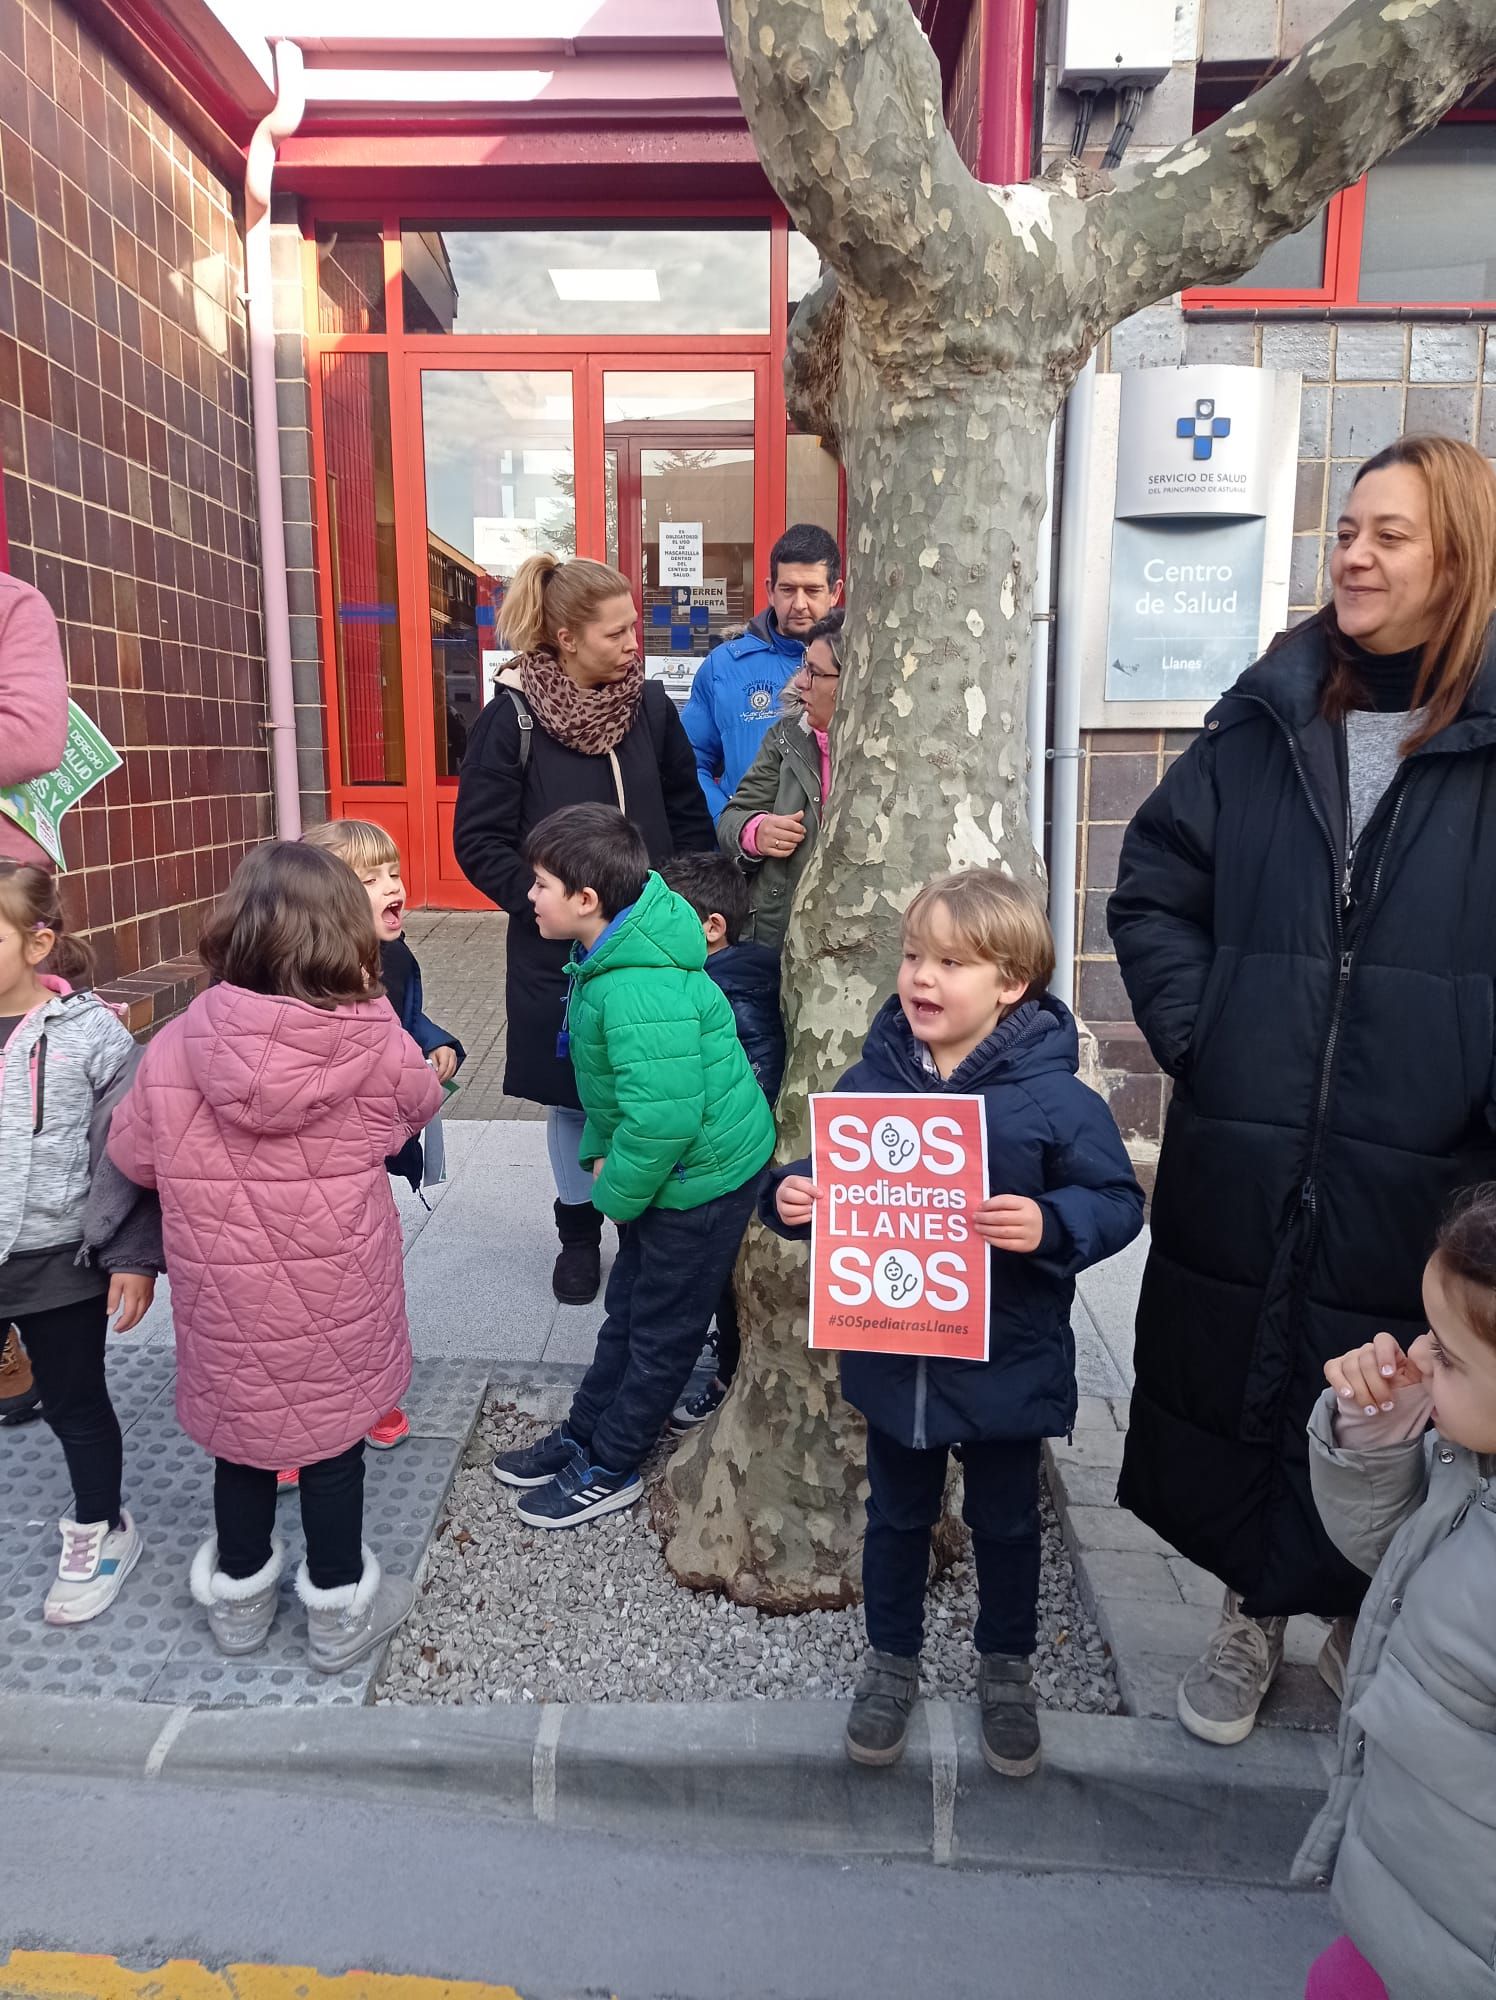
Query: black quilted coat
[1331, 1045]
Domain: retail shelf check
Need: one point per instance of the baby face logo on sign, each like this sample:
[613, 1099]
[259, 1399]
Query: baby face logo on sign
[895, 1265]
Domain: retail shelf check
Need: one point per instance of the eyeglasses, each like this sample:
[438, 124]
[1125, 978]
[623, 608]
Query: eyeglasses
[818, 674]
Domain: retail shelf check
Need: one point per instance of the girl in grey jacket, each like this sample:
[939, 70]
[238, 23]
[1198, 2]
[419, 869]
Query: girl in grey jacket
[77, 1241]
[1403, 1460]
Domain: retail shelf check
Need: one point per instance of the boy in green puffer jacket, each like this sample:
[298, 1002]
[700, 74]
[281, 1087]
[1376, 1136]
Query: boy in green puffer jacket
[677, 1135]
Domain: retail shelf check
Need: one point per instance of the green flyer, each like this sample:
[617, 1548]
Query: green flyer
[37, 806]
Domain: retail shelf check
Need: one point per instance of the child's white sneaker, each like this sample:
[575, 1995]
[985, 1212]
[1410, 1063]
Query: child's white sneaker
[96, 1559]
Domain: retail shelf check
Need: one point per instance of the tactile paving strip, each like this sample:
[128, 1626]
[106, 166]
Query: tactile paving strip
[153, 1643]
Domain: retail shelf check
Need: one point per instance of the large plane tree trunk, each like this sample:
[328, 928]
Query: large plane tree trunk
[950, 320]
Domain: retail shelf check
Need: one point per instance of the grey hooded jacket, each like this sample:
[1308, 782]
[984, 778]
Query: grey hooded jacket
[1409, 1829]
[65, 1068]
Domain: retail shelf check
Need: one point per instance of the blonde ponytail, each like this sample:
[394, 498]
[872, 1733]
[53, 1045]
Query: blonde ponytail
[522, 614]
[548, 596]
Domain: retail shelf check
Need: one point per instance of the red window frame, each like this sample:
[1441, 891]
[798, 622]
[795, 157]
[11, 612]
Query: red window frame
[1345, 222]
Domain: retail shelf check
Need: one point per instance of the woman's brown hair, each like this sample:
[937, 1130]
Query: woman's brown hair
[29, 902]
[548, 596]
[1461, 490]
[295, 922]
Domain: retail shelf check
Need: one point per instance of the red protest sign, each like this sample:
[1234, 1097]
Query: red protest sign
[895, 1265]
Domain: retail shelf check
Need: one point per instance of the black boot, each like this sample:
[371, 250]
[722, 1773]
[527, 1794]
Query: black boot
[579, 1268]
[1010, 1714]
[878, 1726]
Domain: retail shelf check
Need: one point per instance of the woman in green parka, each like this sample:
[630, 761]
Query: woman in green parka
[772, 820]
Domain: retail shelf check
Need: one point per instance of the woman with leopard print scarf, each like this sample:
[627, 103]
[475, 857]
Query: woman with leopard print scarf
[572, 720]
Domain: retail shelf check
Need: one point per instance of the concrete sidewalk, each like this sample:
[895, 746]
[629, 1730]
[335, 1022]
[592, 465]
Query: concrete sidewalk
[477, 1269]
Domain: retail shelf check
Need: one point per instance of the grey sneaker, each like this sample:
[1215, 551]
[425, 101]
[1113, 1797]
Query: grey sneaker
[878, 1726]
[1010, 1714]
[1221, 1693]
[345, 1625]
[1335, 1656]
[241, 1610]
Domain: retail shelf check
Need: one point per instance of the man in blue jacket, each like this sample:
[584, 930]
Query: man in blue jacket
[735, 695]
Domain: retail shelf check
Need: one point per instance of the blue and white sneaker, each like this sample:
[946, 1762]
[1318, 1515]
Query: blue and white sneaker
[536, 1464]
[576, 1494]
[96, 1559]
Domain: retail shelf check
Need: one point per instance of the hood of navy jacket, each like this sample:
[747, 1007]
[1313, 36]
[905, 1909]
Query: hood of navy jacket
[746, 971]
[1038, 1037]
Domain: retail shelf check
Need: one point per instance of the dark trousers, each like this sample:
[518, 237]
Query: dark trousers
[332, 1515]
[66, 1351]
[729, 1340]
[1001, 1508]
[662, 1291]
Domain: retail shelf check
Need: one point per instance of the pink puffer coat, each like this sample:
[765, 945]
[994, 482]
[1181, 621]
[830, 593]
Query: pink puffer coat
[264, 1124]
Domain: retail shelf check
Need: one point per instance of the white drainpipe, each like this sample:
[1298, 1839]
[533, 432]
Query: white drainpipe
[1043, 624]
[279, 123]
[1065, 796]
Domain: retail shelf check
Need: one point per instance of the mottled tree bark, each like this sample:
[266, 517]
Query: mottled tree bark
[950, 320]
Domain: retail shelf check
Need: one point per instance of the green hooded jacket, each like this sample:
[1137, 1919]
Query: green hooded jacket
[672, 1107]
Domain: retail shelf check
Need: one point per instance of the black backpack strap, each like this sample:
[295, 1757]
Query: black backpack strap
[526, 723]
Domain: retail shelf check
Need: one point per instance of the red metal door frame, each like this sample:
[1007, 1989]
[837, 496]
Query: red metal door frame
[415, 810]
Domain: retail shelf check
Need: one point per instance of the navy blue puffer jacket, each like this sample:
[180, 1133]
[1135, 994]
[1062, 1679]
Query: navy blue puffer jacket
[1048, 1137]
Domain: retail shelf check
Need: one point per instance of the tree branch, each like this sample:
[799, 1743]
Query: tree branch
[1383, 71]
[812, 361]
[843, 98]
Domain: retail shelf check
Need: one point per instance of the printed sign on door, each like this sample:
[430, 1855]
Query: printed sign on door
[895, 1264]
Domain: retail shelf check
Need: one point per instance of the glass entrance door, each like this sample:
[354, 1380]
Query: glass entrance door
[679, 449]
[658, 470]
[498, 483]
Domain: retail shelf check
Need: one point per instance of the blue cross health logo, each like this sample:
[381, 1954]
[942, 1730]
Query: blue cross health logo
[1203, 428]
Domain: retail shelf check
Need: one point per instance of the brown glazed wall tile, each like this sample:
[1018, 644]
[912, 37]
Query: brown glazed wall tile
[129, 484]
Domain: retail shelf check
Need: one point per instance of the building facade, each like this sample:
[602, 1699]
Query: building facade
[531, 291]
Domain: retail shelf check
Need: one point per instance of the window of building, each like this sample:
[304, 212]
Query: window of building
[1419, 229]
[611, 278]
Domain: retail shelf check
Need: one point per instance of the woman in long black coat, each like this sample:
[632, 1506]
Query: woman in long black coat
[1305, 920]
[573, 721]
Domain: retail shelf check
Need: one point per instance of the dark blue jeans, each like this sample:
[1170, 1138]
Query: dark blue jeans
[662, 1291]
[1001, 1508]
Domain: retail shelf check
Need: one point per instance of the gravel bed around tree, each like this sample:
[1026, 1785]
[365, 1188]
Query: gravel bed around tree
[510, 1613]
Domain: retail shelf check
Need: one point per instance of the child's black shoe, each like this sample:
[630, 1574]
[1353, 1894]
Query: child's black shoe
[1010, 1714]
[579, 1492]
[878, 1726]
[534, 1464]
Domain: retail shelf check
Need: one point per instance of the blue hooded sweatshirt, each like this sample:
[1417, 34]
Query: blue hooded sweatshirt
[734, 698]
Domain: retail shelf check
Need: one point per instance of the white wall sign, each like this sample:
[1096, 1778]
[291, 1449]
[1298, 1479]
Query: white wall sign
[1194, 441]
[680, 552]
[1188, 531]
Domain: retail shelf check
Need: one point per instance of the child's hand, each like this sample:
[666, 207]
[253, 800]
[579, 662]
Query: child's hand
[597, 1169]
[1369, 1377]
[444, 1062]
[795, 1198]
[1009, 1222]
[130, 1294]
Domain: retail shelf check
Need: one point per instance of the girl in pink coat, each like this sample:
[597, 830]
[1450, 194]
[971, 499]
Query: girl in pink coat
[263, 1116]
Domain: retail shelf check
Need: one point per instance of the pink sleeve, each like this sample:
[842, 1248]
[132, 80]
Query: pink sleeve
[748, 838]
[33, 687]
[1406, 1420]
[418, 1093]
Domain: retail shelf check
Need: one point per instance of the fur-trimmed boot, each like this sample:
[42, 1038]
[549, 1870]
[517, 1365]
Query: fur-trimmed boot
[344, 1625]
[241, 1610]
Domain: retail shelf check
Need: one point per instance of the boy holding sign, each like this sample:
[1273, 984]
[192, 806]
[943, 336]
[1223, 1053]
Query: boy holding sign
[971, 1020]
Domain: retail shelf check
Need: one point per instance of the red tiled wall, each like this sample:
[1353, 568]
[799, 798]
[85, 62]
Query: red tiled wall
[964, 106]
[129, 500]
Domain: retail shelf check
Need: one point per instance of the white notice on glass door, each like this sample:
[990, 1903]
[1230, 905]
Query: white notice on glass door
[680, 552]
